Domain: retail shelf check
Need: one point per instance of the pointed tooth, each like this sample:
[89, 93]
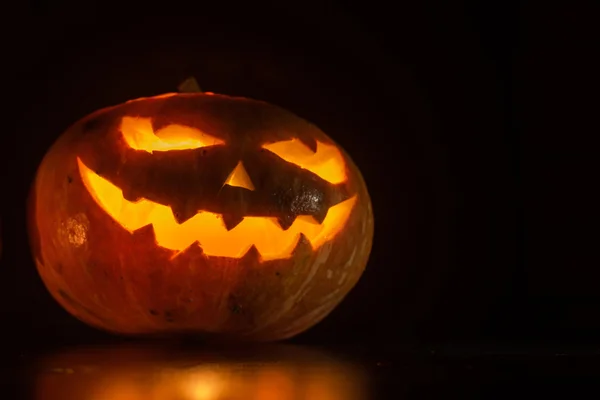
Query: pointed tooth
[193, 251]
[309, 142]
[337, 194]
[286, 221]
[231, 220]
[145, 233]
[252, 255]
[182, 213]
[331, 199]
[320, 214]
[131, 195]
[303, 246]
[196, 249]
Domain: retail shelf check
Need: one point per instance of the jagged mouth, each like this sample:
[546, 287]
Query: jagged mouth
[208, 230]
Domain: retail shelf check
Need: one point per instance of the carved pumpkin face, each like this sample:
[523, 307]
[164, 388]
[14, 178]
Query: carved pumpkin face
[202, 213]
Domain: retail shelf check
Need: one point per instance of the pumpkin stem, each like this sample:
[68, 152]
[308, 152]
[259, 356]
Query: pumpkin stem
[190, 85]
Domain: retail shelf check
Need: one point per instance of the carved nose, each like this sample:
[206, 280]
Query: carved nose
[239, 178]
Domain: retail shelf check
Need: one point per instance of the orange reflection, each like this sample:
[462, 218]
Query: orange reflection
[283, 373]
[208, 228]
[139, 135]
[327, 162]
[274, 383]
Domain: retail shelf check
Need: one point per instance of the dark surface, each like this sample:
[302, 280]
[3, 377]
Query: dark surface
[288, 371]
[473, 123]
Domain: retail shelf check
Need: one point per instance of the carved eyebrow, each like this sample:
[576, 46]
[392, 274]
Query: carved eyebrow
[327, 162]
[139, 134]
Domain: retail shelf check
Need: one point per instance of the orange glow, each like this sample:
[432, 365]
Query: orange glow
[139, 135]
[239, 177]
[197, 384]
[327, 162]
[275, 383]
[208, 228]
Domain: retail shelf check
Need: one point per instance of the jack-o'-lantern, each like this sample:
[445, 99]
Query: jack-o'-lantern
[191, 213]
[281, 373]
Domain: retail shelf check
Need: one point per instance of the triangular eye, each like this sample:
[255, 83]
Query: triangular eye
[239, 178]
[139, 135]
[327, 162]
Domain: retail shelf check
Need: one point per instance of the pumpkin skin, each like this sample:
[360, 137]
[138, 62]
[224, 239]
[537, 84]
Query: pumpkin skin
[128, 280]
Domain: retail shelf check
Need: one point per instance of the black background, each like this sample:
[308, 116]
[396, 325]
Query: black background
[472, 122]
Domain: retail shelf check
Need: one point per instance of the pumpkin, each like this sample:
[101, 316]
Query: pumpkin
[192, 213]
[144, 373]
